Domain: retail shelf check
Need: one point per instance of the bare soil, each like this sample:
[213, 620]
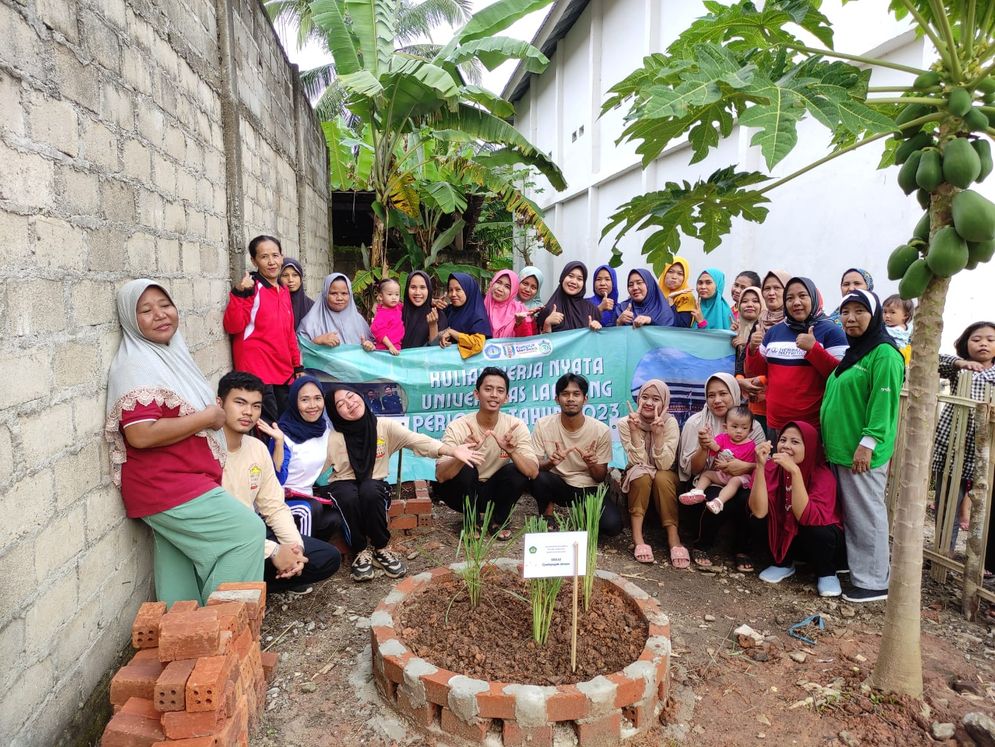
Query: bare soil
[722, 694]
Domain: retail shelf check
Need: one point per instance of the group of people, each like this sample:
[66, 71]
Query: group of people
[793, 450]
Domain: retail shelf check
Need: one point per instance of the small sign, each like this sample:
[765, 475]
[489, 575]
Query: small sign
[551, 554]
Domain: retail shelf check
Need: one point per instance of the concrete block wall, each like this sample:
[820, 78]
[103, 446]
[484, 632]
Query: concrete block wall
[117, 160]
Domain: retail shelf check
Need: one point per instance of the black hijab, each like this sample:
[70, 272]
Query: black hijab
[577, 311]
[415, 326]
[875, 334]
[360, 435]
[815, 315]
[292, 423]
[298, 298]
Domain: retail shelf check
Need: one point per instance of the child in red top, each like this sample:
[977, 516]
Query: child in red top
[388, 322]
[734, 443]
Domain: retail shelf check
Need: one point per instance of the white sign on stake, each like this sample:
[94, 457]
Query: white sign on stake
[551, 554]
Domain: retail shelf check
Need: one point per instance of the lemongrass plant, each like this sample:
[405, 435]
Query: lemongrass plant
[542, 591]
[585, 516]
[476, 545]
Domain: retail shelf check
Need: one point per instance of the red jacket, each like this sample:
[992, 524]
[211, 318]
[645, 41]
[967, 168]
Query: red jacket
[261, 323]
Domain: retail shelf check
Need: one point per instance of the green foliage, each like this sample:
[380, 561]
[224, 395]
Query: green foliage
[476, 544]
[542, 591]
[585, 516]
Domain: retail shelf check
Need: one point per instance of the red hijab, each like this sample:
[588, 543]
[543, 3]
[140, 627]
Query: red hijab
[820, 482]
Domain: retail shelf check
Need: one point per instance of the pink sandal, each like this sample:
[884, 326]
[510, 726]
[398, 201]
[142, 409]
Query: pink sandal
[692, 497]
[644, 554]
[680, 558]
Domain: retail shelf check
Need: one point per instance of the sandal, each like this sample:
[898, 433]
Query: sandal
[744, 564]
[644, 554]
[502, 535]
[679, 557]
[701, 559]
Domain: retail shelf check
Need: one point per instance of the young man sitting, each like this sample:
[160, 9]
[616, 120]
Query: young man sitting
[293, 562]
[574, 454]
[509, 460]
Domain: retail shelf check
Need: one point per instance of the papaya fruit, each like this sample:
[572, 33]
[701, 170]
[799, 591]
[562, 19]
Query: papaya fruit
[910, 146]
[900, 259]
[921, 230]
[976, 121]
[907, 174]
[912, 111]
[984, 150]
[971, 265]
[922, 197]
[961, 164]
[914, 281]
[927, 81]
[974, 216]
[981, 251]
[986, 86]
[959, 102]
[930, 171]
[947, 253]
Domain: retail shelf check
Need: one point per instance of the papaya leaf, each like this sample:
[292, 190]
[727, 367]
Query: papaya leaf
[776, 121]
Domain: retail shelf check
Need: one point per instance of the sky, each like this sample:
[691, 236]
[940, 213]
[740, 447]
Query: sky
[314, 54]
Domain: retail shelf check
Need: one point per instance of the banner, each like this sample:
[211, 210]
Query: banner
[428, 387]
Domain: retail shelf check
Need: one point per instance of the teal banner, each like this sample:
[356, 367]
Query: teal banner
[428, 387]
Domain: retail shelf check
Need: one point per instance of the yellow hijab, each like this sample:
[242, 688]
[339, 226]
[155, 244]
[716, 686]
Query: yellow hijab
[681, 299]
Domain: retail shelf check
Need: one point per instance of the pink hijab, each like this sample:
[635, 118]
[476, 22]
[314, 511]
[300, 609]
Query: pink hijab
[502, 314]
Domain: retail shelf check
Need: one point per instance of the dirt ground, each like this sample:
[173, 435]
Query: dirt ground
[722, 694]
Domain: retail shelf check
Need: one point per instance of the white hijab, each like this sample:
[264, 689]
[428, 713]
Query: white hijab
[143, 372]
[348, 323]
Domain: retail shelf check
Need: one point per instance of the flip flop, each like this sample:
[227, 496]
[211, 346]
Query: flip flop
[679, 557]
[744, 564]
[503, 535]
[644, 554]
[701, 559]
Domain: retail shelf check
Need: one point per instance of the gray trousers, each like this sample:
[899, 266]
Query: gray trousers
[865, 525]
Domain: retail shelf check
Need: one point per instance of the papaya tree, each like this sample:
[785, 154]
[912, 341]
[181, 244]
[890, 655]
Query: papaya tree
[748, 65]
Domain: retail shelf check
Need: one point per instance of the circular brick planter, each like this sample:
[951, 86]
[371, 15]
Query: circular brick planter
[599, 712]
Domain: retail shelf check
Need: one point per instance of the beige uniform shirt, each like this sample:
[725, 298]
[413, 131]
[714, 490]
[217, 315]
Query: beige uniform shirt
[664, 447]
[391, 437]
[249, 476]
[461, 429]
[548, 432]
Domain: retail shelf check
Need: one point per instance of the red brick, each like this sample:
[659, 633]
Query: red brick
[146, 654]
[517, 736]
[418, 506]
[380, 634]
[189, 635]
[187, 605]
[145, 629]
[640, 715]
[408, 521]
[183, 725]
[628, 690]
[225, 640]
[396, 508]
[207, 681]
[243, 644]
[425, 520]
[387, 688]
[423, 716]
[270, 659]
[228, 735]
[171, 686]
[602, 732]
[135, 680]
[475, 732]
[194, 742]
[140, 707]
[496, 704]
[129, 730]
[568, 704]
[658, 630]
[421, 489]
[259, 586]
[233, 616]
[393, 667]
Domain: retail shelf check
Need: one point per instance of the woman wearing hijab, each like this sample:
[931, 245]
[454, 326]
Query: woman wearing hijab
[336, 321]
[645, 304]
[673, 283]
[504, 311]
[422, 321]
[468, 326]
[751, 313]
[797, 356]
[567, 308]
[292, 278]
[853, 279]
[167, 451]
[359, 451]
[722, 393]
[650, 436]
[713, 310]
[605, 296]
[795, 491]
[530, 281]
[860, 420]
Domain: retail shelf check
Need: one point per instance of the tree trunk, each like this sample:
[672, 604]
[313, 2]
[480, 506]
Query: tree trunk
[974, 565]
[378, 249]
[899, 665]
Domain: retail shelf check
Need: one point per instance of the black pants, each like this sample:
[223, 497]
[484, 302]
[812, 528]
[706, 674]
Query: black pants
[364, 507]
[275, 398]
[315, 519]
[323, 560]
[503, 489]
[736, 511]
[549, 488]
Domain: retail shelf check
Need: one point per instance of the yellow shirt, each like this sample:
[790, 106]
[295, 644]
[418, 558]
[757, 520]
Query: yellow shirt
[549, 431]
[391, 437]
[460, 430]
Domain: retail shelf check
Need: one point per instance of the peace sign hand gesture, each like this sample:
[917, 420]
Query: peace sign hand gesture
[558, 454]
[590, 456]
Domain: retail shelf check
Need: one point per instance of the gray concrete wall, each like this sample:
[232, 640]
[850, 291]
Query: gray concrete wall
[135, 136]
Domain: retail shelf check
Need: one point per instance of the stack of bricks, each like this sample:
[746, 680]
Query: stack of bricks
[198, 678]
[412, 513]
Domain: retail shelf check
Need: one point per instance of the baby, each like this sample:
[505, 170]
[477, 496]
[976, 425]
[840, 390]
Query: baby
[388, 322]
[734, 443]
[898, 321]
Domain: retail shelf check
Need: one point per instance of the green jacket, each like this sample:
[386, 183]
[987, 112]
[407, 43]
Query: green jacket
[863, 402]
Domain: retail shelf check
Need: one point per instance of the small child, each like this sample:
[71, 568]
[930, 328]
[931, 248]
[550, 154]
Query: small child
[388, 322]
[898, 315]
[733, 443]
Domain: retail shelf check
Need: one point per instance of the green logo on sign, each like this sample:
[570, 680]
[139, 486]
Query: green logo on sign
[532, 550]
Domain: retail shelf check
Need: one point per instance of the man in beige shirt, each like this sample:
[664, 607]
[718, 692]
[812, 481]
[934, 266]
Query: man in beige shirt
[509, 461]
[574, 451]
[293, 562]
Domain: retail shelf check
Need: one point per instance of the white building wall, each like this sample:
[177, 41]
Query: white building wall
[843, 214]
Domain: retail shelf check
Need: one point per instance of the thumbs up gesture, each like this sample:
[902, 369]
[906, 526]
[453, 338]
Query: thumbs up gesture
[554, 319]
[594, 324]
[246, 283]
[607, 304]
[806, 340]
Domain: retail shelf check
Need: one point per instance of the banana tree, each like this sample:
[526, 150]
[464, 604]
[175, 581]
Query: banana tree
[741, 63]
[397, 93]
